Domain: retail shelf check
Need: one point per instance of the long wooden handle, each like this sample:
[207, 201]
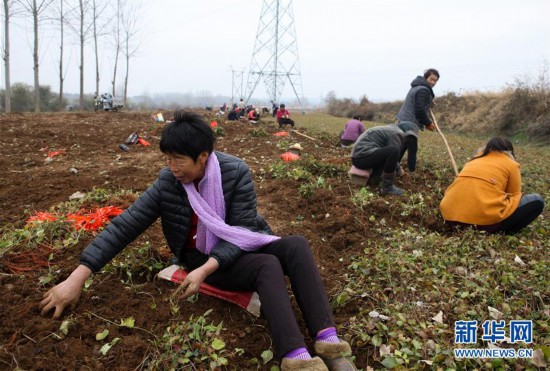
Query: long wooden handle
[444, 140]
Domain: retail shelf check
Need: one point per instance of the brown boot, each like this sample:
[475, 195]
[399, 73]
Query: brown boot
[337, 356]
[314, 364]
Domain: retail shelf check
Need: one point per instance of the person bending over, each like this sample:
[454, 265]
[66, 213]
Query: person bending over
[381, 148]
[352, 130]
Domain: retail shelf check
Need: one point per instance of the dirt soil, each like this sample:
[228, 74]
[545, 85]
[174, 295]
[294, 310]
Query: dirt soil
[92, 158]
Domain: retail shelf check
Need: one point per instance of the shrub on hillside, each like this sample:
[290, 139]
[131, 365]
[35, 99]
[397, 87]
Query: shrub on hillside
[522, 109]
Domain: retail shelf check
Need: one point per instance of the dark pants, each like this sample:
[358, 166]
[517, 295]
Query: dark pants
[264, 271]
[530, 206]
[385, 158]
[285, 121]
[346, 142]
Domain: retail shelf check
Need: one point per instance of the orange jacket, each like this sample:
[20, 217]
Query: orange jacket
[487, 191]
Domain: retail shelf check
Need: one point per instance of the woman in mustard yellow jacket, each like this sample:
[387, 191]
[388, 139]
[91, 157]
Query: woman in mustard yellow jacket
[487, 193]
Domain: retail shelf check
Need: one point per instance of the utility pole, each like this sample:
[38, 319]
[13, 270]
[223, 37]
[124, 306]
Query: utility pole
[275, 57]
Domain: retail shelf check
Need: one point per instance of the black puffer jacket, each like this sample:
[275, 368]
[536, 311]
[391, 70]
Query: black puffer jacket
[167, 199]
[418, 101]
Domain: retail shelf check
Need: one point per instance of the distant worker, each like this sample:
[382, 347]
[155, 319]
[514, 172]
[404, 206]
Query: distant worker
[381, 148]
[253, 116]
[353, 129]
[274, 108]
[417, 104]
[232, 115]
[486, 194]
[283, 117]
[241, 104]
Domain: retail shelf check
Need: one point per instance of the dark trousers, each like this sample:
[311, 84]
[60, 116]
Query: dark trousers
[385, 158]
[264, 271]
[530, 206]
[285, 121]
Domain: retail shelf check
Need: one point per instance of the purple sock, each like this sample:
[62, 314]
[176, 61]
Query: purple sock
[299, 353]
[328, 335]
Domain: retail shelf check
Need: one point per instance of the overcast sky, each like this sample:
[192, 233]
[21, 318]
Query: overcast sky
[351, 47]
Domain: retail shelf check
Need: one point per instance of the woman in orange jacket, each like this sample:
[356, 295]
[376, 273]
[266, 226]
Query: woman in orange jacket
[487, 193]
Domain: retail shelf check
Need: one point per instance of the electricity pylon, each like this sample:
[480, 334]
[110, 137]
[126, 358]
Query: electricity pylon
[275, 57]
[236, 89]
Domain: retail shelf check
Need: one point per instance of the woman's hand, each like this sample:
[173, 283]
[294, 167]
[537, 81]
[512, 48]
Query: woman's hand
[66, 293]
[192, 282]
[196, 277]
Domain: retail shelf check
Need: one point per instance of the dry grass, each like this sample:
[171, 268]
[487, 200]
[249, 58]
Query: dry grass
[521, 112]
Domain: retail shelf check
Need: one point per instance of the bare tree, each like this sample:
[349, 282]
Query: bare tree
[62, 20]
[83, 5]
[89, 22]
[116, 31]
[81, 27]
[131, 28]
[37, 9]
[99, 23]
[8, 9]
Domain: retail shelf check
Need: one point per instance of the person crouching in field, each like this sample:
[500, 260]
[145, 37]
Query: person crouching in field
[381, 148]
[283, 117]
[207, 204]
[486, 194]
[352, 130]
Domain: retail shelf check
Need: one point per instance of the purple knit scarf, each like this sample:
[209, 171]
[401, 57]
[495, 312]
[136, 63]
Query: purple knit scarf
[209, 205]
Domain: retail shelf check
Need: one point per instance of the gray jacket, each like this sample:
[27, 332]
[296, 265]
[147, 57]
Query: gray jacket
[167, 199]
[417, 103]
[378, 137]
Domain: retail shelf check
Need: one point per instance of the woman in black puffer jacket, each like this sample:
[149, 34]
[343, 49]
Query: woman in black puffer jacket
[207, 205]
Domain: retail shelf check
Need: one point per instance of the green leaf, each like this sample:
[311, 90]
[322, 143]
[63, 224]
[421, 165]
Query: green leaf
[267, 355]
[88, 283]
[218, 344]
[545, 350]
[102, 335]
[128, 322]
[389, 362]
[376, 340]
[106, 347]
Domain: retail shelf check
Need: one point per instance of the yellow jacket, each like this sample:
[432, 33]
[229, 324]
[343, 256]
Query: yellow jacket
[487, 191]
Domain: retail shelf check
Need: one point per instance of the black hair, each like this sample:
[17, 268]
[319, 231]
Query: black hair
[431, 71]
[188, 135]
[499, 144]
[358, 117]
[282, 105]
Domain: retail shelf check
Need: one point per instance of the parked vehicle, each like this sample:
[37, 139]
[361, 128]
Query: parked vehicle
[107, 102]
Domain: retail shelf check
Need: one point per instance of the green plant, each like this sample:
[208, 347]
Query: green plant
[286, 171]
[307, 189]
[413, 205]
[259, 133]
[193, 343]
[140, 261]
[361, 198]
[218, 131]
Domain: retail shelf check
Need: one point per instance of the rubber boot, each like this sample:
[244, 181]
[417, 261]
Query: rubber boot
[388, 188]
[375, 178]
